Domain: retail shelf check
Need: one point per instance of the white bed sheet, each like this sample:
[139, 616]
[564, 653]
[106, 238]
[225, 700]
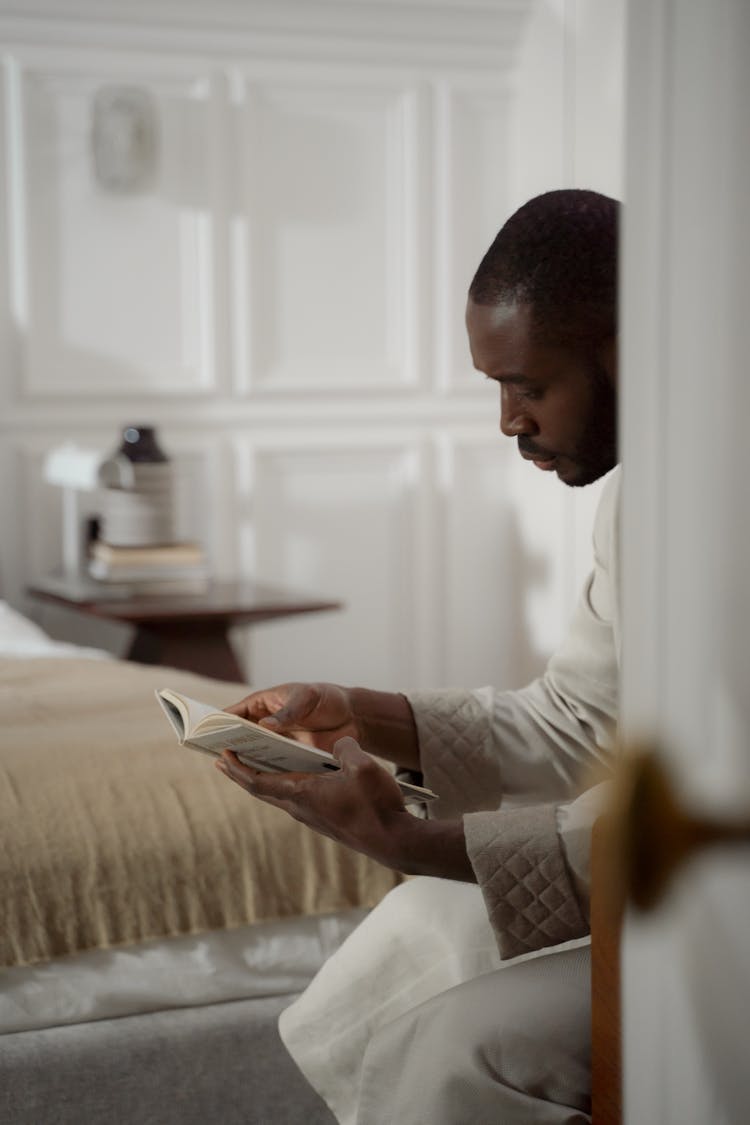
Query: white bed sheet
[267, 959]
[24, 638]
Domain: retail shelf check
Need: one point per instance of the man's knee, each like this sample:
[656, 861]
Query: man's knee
[517, 1039]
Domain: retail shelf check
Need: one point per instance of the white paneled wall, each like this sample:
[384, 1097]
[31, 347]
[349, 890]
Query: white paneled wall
[327, 231]
[88, 328]
[285, 302]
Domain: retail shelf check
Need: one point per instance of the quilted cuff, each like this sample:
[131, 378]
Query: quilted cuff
[453, 728]
[528, 891]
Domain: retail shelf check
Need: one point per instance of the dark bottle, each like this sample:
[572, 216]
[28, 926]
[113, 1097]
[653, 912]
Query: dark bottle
[139, 444]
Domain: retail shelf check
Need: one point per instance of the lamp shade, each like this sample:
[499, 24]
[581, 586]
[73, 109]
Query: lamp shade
[73, 466]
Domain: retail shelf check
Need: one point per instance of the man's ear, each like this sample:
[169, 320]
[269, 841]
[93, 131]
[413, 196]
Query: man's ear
[606, 354]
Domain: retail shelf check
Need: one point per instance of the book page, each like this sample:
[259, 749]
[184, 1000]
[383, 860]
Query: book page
[193, 713]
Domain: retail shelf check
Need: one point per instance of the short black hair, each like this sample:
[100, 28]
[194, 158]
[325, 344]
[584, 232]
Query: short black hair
[557, 253]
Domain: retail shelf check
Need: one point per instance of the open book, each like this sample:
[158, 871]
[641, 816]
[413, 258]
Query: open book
[202, 727]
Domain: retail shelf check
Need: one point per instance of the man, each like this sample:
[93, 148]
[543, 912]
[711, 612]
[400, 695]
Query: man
[510, 1045]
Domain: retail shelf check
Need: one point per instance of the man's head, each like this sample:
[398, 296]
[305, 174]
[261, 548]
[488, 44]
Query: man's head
[542, 322]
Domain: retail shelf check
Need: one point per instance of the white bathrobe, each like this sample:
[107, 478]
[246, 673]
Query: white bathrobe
[513, 765]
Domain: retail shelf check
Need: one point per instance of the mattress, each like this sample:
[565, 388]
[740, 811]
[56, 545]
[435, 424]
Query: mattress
[273, 958]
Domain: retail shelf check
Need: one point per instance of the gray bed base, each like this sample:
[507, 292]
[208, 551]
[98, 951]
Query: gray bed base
[222, 1064]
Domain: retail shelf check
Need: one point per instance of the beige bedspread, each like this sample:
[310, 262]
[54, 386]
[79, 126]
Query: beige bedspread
[111, 833]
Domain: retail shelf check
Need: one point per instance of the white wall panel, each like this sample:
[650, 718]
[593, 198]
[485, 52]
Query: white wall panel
[473, 164]
[598, 82]
[337, 518]
[112, 292]
[329, 245]
[8, 358]
[202, 492]
[506, 534]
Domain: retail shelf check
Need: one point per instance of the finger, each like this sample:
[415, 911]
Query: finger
[356, 761]
[261, 783]
[263, 709]
[248, 785]
[252, 707]
[349, 753]
[230, 765]
[293, 711]
[281, 706]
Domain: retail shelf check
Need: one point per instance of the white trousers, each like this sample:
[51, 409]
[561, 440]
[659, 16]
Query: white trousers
[416, 1021]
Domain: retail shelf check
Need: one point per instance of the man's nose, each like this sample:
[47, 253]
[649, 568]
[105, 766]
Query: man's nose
[514, 420]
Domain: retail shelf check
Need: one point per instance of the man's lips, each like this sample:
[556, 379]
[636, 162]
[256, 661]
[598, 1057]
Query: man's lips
[539, 457]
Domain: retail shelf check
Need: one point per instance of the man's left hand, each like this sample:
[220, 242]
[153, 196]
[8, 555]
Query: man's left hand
[359, 805]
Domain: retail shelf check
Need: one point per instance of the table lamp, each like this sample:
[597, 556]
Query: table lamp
[74, 469]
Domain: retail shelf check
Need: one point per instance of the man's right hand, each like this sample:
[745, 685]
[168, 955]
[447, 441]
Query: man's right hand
[318, 714]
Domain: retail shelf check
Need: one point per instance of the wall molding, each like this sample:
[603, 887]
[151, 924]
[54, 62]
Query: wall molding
[485, 31]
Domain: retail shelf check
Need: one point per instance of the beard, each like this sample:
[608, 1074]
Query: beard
[597, 451]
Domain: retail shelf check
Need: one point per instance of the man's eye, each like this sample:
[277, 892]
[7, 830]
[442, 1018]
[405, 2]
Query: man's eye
[532, 394]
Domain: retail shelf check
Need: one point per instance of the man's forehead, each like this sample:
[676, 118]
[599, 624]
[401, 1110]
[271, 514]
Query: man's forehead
[504, 319]
[498, 334]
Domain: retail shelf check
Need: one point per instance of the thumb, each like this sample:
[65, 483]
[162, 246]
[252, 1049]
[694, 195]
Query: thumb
[349, 753]
[300, 702]
[290, 715]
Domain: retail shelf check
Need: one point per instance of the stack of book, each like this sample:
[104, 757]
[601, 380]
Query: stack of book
[173, 568]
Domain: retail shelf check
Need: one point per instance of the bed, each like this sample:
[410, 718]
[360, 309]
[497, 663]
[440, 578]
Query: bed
[156, 920]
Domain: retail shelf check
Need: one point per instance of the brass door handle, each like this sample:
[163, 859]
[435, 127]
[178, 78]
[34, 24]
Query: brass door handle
[652, 835]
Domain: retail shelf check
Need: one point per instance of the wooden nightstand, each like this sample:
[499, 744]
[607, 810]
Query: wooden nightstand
[187, 631]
